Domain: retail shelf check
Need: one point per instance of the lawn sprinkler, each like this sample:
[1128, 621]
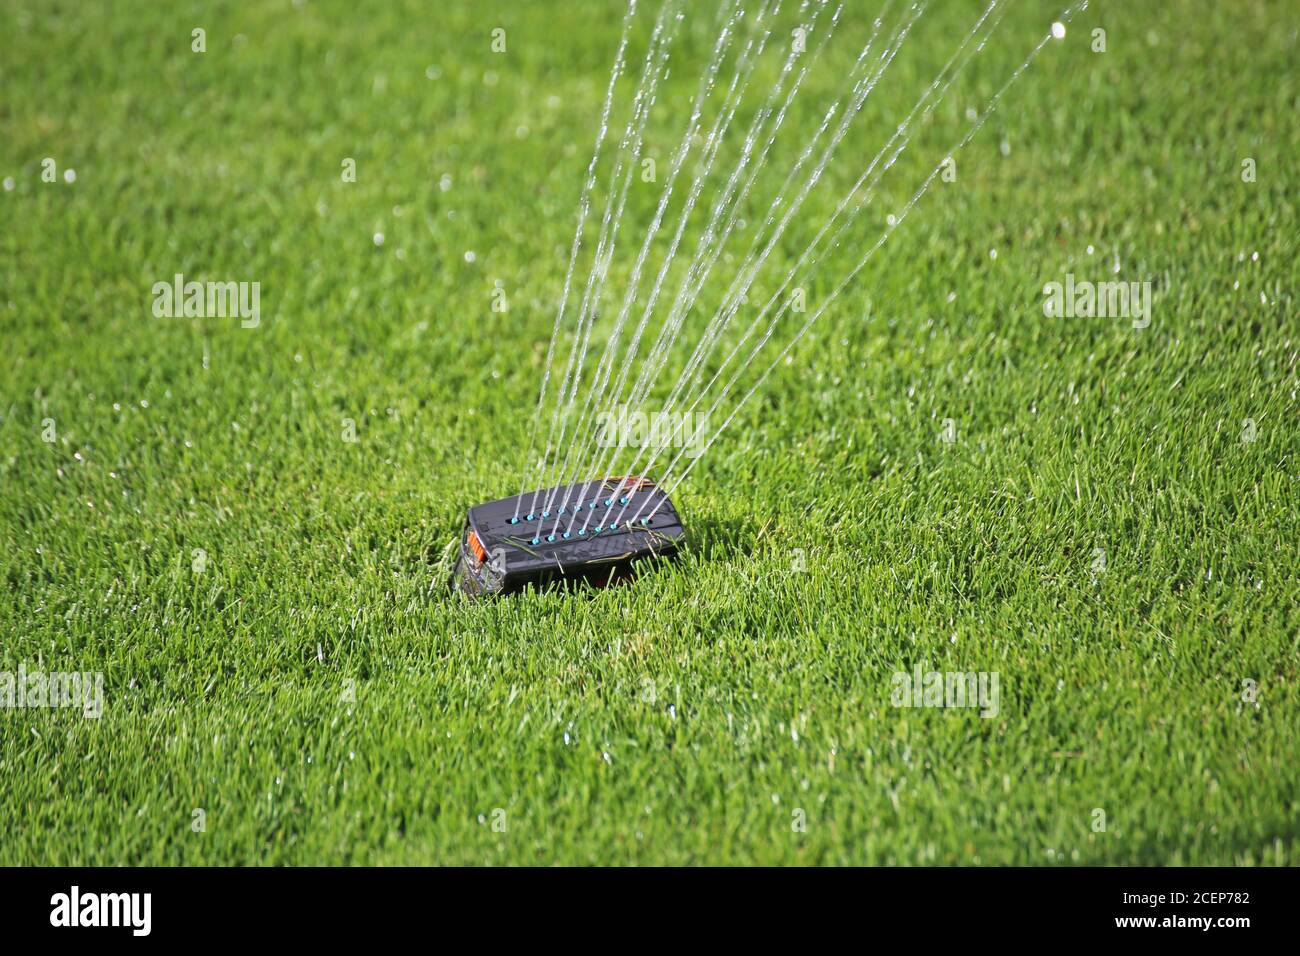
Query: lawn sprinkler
[594, 531]
[597, 530]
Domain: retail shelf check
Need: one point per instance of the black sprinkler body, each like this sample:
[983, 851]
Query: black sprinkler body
[592, 531]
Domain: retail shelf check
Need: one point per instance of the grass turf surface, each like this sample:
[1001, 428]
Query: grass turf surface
[686, 718]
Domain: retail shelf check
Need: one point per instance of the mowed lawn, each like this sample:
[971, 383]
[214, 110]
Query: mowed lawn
[1113, 532]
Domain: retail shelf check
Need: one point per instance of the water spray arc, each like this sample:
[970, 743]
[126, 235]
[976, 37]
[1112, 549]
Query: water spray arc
[589, 517]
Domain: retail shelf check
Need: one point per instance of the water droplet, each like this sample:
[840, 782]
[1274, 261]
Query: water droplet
[9, 184]
[1058, 30]
[69, 175]
[379, 238]
[469, 256]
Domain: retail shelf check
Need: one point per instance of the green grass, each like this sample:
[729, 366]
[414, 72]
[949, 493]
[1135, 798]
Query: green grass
[226, 690]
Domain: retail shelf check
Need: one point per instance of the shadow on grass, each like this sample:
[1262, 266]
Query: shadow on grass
[720, 540]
